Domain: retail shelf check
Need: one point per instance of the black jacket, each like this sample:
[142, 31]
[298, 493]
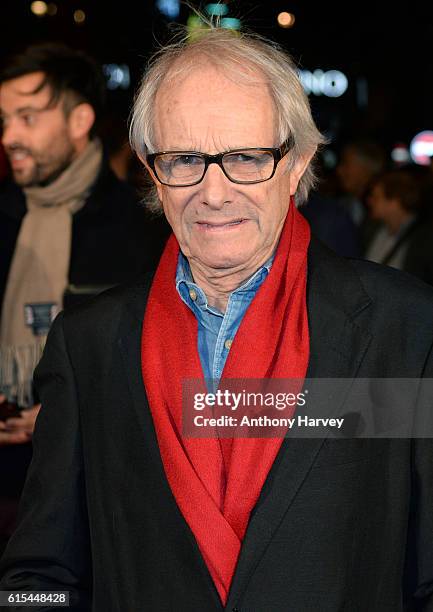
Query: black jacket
[113, 241]
[340, 525]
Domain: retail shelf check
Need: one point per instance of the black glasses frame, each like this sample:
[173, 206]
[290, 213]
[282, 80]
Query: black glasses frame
[277, 152]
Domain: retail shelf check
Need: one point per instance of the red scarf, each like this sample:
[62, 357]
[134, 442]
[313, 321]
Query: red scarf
[216, 483]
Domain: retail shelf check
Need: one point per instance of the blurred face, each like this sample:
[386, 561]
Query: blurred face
[353, 173]
[378, 204]
[36, 139]
[221, 225]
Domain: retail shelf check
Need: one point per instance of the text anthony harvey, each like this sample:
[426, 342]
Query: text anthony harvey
[265, 421]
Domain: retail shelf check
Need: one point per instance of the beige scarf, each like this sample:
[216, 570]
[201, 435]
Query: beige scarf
[38, 275]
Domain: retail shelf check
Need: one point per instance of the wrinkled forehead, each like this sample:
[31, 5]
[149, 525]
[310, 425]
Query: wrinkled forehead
[206, 101]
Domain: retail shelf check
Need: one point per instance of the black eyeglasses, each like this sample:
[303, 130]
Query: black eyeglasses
[243, 166]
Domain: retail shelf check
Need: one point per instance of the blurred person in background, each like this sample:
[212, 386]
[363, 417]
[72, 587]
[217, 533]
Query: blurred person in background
[121, 158]
[4, 166]
[68, 226]
[332, 224]
[360, 162]
[404, 237]
[329, 220]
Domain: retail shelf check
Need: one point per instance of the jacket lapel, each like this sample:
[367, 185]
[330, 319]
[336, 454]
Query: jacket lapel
[337, 348]
[129, 342]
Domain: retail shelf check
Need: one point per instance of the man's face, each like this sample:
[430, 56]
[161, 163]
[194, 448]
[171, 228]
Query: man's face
[36, 138]
[221, 225]
[379, 205]
[353, 173]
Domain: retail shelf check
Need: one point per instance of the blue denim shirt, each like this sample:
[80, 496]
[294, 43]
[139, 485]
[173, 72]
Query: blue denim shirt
[216, 330]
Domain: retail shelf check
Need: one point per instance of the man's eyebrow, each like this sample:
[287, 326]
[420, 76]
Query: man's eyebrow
[33, 109]
[24, 109]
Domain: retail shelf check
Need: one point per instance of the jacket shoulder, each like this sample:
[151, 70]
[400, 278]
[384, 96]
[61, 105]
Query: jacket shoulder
[103, 314]
[393, 286]
[340, 279]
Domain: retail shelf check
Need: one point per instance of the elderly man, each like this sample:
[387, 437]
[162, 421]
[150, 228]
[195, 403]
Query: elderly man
[121, 508]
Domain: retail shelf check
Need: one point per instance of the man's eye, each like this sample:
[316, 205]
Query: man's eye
[28, 119]
[242, 158]
[186, 160]
[247, 158]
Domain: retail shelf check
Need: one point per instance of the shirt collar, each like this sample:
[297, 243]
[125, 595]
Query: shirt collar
[194, 296]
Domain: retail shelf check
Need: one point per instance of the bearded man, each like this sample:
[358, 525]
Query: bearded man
[68, 227]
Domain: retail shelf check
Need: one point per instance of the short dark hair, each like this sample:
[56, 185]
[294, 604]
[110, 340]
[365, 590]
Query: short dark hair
[68, 72]
[402, 186]
[371, 153]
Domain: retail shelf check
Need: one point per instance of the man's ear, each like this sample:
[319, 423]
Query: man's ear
[152, 175]
[298, 170]
[80, 120]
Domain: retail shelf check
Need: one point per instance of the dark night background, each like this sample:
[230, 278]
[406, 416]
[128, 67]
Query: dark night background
[388, 47]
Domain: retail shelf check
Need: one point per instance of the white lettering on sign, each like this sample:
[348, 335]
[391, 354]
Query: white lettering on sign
[332, 83]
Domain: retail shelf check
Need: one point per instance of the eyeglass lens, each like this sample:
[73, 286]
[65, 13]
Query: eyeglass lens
[182, 168]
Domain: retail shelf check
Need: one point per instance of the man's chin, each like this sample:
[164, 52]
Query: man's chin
[225, 261]
[33, 178]
[24, 179]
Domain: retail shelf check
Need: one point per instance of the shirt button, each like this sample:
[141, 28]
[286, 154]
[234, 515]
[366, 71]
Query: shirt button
[228, 344]
[193, 294]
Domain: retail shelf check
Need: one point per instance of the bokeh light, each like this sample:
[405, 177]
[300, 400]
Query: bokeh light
[39, 8]
[79, 16]
[286, 20]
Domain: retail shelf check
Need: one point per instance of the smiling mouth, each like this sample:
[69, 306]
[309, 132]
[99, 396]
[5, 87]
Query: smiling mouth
[213, 226]
[16, 157]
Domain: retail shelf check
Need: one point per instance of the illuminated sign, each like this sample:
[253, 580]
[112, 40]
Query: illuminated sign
[231, 23]
[118, 76]
[332, 83]
[421, 148]
[169, 8]
[217, 9]
[400, 154]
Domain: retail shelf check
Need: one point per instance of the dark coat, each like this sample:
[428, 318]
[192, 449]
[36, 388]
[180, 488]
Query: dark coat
[340, 525]
[113, 241]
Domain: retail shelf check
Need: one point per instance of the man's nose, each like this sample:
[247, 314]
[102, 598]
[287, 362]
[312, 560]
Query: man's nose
[10, 133]
[216, 188]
